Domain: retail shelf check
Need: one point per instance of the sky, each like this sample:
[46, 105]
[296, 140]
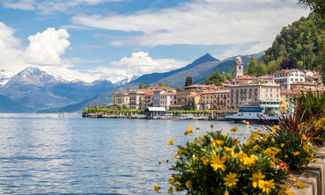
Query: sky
[123, 39]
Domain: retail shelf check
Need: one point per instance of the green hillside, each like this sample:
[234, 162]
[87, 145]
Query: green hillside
[300, 40]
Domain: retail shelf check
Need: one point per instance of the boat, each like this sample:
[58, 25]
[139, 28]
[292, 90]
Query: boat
[253, 111]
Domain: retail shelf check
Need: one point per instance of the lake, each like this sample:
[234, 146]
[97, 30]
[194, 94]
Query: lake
[45, 153]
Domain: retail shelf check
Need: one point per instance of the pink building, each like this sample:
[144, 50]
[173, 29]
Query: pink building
[254, 91]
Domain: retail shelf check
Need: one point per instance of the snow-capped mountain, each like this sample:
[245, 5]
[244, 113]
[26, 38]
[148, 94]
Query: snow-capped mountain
[37, 89]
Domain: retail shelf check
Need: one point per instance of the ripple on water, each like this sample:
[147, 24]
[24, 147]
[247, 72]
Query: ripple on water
[76, 155]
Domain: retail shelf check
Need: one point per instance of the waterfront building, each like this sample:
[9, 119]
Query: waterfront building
[211, 100]
[286, 77]
[140, 99]
[121, 97]
[238, 67]
[167, 98]
[286, 101]
[184, 94]
[254, 91]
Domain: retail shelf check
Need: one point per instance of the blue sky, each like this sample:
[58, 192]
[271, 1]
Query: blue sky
[118, 39]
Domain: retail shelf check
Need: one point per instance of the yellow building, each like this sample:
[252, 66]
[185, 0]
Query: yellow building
[287, 96]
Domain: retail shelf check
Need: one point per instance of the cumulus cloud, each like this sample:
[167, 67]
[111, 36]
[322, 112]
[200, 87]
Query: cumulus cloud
[46, 48]
[137, 64]
[201, 22]
[10, 53]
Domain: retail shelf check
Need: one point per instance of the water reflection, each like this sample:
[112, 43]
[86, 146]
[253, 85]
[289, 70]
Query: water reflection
[39, 154]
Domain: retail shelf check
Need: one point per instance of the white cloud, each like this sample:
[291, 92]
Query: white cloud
[10, 53]
[138, 64]
[46, 48]
[50, 6]
[202, 22]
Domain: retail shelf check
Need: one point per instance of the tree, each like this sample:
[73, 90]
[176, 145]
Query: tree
[188, 81]
[141, 86]
[317, 7]
[256, 68]
[146, 86]
[252, 66]
[162, 84]
[289, 63]
[215, 79]
[124, 106]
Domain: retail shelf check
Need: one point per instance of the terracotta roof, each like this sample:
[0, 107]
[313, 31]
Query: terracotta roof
[120, 92]
[287, 71]
[289, 92]
[168, 93]
[198, 86]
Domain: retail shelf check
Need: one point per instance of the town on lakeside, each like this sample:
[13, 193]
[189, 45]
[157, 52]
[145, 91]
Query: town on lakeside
[272, 93]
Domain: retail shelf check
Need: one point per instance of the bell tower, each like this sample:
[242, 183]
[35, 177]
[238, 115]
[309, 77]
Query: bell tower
[238, 67]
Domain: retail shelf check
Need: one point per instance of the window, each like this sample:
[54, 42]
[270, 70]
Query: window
[291, 79]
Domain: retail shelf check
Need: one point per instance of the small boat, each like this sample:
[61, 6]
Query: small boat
[253, 111]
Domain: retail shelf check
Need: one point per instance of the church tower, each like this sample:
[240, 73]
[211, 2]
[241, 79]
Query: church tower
[238, 67]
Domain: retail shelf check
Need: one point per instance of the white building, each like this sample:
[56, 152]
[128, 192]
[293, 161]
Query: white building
[286, 77]
[168, 98]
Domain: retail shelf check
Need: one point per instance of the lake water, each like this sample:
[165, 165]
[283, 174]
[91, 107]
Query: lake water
[43, 153]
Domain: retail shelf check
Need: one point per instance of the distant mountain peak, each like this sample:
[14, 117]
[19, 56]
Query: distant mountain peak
[205, 58]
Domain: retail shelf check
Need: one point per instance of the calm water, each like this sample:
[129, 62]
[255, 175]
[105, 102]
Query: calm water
[45, 153]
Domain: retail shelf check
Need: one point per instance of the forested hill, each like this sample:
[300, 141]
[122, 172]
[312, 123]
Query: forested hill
[300, 40]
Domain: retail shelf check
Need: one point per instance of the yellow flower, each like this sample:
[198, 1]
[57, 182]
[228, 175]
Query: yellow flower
[274, 129]
[267, 186]
[296, 153]
[286, 156]
[201, 138]
[241, 156]
[282, 145]
[300, 185]
[171, 180]
[170, 190]
[234, 129]
[257, 180]
[304, 138]
[193, 157]
[285, 190]
[188, 184]
[258, 131]
[191, 170]
[250, 160]
[273, 140]
[217, 162]
[171, 141]
[156, 188]
[224, 134]
[230, 179]
[226, 193]
[190, 130]
[256, 147]
[230, 151]
[216, 143]
[205, 161]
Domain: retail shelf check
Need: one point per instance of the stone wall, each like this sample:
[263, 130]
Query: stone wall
[313, 176]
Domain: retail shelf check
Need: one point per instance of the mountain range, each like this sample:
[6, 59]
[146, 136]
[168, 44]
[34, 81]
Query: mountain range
[34, 90]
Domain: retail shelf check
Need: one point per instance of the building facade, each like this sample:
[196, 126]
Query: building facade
[256, 91]
[286, 77]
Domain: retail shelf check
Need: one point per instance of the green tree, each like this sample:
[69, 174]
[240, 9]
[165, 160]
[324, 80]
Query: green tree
[188, 81]
[215, 79]
[141, 86]
[162, 84]
[252, 66]
[124, 106]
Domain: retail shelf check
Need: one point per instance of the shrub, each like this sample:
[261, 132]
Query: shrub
[218, 164]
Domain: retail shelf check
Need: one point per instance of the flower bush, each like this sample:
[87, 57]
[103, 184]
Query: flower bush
[217, 164]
